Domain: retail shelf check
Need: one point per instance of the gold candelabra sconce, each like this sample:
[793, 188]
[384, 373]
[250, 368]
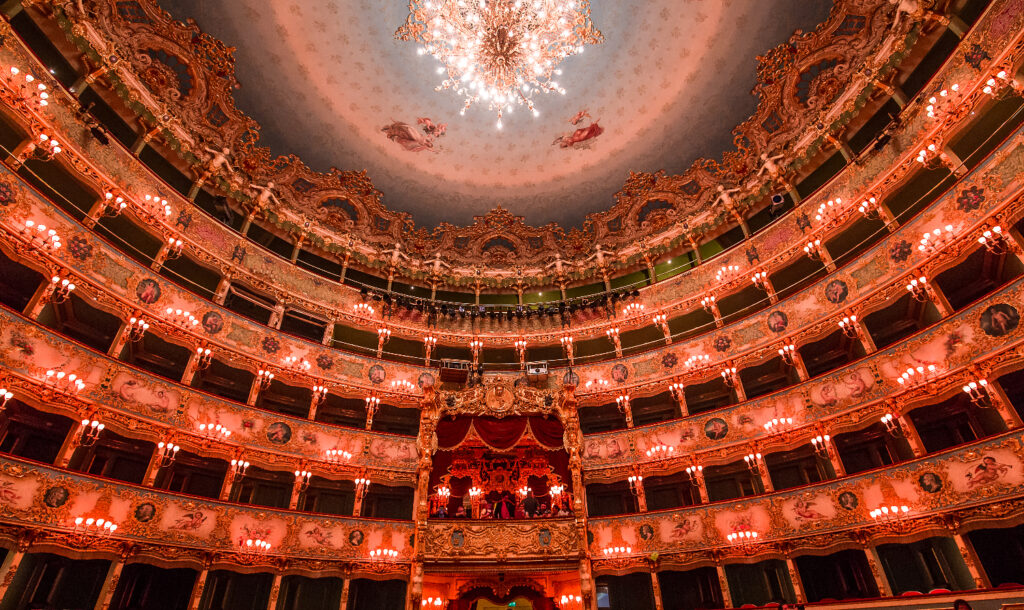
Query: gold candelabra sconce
[993, 239]
[166, 452]
[91, 429]
[60, 289]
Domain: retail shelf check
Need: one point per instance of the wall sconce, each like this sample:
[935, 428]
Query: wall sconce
[204, 358]
[634, 309]
[254, 546]
[708, 303]
[753, 461]
[597, 385]
[661, 321]
[263, 379]
[616, 550]
[238, 468]
[934, 240]
[746, 539]
[298, 364]
[383, 554]
[5, 395]
[336, 456]
[760, 279]
[635, 481]
[319, 394]
[26, 87]
[433, 602]
[778, 425]
[918, 288]
[215, 432]
[660, 451]
[927, 153]
[829, 211]
[47, 147]
[383, 336]
[678, 391]
[697, 362]
[112, 205]
[730, 376]
[726, 273]
[60, 289]
[302, 478]
[915, 376]
[820, 444]
[181, 317]
[475, 346]
[363, 309]
[62, 382]
[849, 326]
[977, 391]
[870, 208]
[363, 485]
[694, 473]
[93, 527]
[160, 205]
[166, 452]
[174, 247]
[91, 429]
[813, 249]
[622, 402]
[892, 425]
[891, 516]
[570, 602]
[39, 236]
[428, 347]
[993, 240]
[136, 329]
[372, 403]
[788, 352]
[940, 103]
[523, 491]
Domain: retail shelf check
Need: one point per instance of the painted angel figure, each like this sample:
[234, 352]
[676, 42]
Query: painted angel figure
[578, 137]
[408, 137]
[435, 130]
[579, 116]
[265, 194]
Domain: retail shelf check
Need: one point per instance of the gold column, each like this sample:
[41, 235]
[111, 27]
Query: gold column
[110, 584]
[275, 592]
[656, 586]
[197, 588]
[875, 563]
[798, 583]
[723, 583]
[343, 605]
[9, 568]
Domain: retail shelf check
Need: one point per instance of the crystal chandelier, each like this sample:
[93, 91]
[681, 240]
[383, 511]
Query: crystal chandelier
[501, 52]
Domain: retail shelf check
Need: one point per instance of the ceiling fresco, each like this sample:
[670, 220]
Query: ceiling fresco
[327, 80]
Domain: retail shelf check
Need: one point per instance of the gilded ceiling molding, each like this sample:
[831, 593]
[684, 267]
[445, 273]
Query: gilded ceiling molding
[135, 41]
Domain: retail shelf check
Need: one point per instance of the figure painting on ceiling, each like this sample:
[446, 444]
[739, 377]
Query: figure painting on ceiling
[412, 139]
[581, 136]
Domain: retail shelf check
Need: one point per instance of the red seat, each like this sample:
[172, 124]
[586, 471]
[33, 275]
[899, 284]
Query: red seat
[910, 593]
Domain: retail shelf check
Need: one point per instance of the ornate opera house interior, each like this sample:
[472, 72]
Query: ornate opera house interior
[511, 304]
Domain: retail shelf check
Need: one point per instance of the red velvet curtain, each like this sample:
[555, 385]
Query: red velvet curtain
[500, 434]
[538, 602]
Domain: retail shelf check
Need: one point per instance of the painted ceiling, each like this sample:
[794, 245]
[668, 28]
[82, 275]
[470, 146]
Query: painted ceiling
[667, 86]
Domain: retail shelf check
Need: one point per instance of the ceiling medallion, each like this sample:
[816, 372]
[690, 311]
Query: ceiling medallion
[502, 52]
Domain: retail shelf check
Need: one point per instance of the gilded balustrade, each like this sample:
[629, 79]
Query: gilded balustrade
[981, 195]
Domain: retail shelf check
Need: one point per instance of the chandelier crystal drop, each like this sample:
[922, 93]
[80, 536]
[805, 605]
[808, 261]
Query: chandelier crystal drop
[500, 52]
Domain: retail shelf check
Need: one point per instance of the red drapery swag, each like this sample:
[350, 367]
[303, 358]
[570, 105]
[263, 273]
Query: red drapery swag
[500, 434]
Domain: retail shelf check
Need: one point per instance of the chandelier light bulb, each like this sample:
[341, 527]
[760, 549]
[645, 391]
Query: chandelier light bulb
[499, 52]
